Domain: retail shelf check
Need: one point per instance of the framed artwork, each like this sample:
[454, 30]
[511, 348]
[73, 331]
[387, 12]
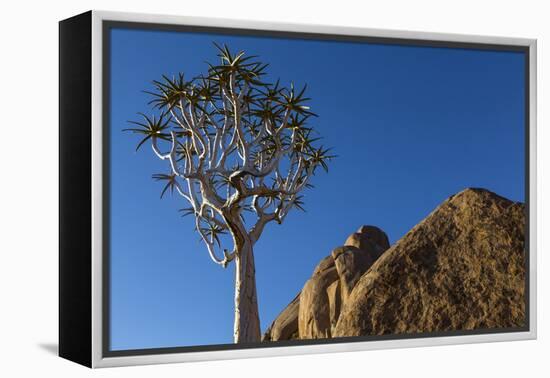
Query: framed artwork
[234, 189]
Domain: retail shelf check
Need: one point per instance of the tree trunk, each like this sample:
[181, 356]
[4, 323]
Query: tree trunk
[247, 319]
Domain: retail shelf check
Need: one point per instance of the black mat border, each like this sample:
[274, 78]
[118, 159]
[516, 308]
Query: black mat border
[75, 194]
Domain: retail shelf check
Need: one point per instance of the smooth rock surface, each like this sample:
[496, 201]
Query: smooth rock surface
[370, 239]
[285, 326]
[351, 263]
[315, 311]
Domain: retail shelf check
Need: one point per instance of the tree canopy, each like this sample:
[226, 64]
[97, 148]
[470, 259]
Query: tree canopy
[239, 149]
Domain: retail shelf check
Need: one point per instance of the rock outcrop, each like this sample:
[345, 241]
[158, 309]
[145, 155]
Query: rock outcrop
[461, 268]
[316, 309]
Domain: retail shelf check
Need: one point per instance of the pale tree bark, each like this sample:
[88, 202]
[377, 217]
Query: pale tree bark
[247, 320]
[246, 328]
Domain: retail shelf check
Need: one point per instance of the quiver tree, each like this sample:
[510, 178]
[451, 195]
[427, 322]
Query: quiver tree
[239, 152]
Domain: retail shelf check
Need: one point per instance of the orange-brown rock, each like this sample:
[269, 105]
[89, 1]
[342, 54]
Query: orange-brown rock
[315, 311]
[351, 263]
[371, 239]
[285, 326]
[461, 268]
[315, 304]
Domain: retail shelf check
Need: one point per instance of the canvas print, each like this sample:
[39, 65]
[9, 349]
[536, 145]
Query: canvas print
[271, 190]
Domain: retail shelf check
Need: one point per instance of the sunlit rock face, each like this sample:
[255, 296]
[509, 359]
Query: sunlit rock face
[461, 268]
[316, 309]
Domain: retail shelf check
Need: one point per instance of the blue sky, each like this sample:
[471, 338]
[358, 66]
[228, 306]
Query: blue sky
[410, 125]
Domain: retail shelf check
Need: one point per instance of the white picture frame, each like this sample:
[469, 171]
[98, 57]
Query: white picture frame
[92, 352]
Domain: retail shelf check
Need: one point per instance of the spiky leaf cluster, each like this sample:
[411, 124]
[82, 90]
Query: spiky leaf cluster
[235, 142]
